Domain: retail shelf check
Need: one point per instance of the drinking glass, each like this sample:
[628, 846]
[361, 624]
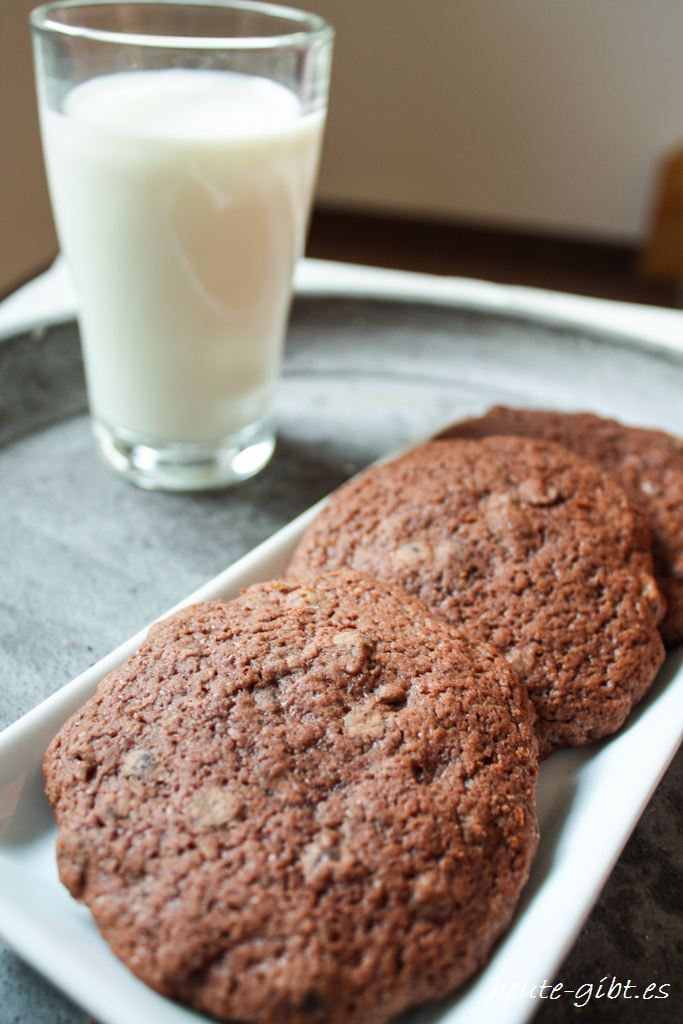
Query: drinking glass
[181, 141]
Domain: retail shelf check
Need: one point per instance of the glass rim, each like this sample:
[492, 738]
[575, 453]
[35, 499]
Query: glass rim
[313, 28]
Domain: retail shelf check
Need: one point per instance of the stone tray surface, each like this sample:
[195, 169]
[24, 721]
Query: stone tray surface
[86, 559]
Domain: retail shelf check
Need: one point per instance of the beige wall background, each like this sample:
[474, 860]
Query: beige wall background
[27, 238]
[548, 115]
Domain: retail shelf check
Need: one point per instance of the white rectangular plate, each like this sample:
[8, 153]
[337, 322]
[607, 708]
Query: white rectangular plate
[588, 802]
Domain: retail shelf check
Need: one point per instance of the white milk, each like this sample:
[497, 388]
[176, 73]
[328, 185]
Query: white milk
[181, 200]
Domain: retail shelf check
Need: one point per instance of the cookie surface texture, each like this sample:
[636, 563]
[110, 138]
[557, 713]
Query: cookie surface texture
[525, 544]
[314, 803]
[647, 463]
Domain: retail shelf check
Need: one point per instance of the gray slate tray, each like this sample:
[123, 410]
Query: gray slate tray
[85, 559]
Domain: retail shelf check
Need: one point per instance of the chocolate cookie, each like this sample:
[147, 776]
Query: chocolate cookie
[647, 463]
[314, 803]
[531, 547]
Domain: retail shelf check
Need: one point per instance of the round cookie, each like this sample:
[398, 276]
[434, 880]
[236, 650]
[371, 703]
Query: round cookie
[534, 549]
[647, 463]
[314, 803]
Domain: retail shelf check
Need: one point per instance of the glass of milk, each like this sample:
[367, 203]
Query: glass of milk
[181, 141]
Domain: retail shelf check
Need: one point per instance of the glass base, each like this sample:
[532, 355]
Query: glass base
[186, 465]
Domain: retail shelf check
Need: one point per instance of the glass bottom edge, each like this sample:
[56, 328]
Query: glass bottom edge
[186, 465]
